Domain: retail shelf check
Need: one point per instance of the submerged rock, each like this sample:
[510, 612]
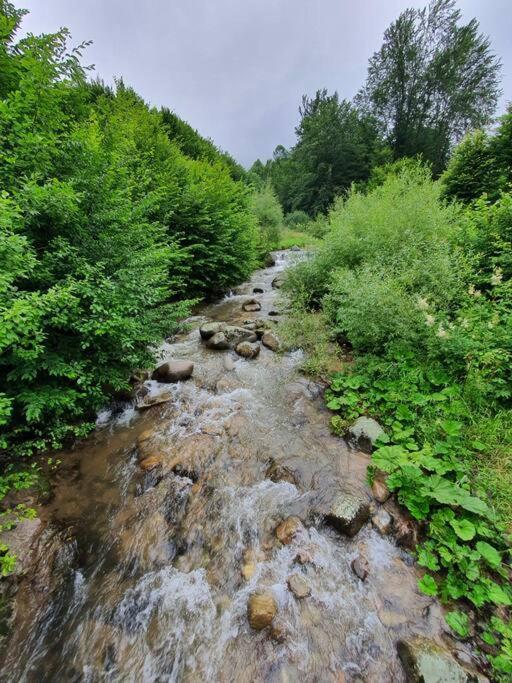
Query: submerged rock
[360, 567]
[247, 349]
[299, 586]
[348, 513]
[383, 522]
[426, 662]
[288, 529]
[270, 261]
[173, 371]
[270, 341]
[229, 337]
[258, 289]
[151, 462]
[276, 472]
[261, 609]
[364, 433]
[251, 305]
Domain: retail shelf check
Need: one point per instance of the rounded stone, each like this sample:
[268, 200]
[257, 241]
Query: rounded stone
[261, 609]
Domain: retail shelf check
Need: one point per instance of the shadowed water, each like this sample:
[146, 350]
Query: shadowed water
[146, 581]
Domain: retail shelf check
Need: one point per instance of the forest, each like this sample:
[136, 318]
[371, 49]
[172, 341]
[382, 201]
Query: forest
[117, 218]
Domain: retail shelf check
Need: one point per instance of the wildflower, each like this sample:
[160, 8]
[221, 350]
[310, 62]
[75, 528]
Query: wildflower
[422, 303]
[497, 277]
[429, 319]
[464, 323]
[441, 332]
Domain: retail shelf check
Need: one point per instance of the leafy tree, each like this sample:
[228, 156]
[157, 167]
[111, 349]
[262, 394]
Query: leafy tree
[336, 146]
[432, 80]
[269, 218]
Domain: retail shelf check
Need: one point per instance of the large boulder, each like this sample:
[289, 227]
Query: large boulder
[251, 305]
[426, 662]
[230, 337]
[173, 371]
[247, 349]
[348, 513]
[364, 433]
[261, 609]
[270, 341]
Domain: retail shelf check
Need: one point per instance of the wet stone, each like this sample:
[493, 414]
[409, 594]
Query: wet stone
[208, 330]
[261, 609]
[426, 662]
[288, 529]
[270, 341]
[152, 401]
[251, 306]
[299, 586]
[348, 513]
[150, 463]
[380, 491]
[173, 371]
[248, 350]
[364, 433]
[360, 567]
[383, 522]
[258, 290]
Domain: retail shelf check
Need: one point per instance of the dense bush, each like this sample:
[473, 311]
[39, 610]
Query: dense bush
[268, 214]
[107, 230]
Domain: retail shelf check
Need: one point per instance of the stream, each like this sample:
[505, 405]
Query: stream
[146, 576]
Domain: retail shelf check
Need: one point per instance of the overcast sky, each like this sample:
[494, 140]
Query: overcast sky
[236, 69]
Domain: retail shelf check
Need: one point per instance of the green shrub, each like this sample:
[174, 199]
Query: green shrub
[268, 214]
[296, 219]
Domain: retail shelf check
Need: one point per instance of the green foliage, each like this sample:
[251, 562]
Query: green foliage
[432, 80]
[336, 146]
[108, 231]
[296, 219]
[268, 214]
[481, 164]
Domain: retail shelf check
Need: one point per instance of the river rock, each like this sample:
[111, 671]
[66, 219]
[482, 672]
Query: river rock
[209, 329]
[152, 401]
[248, 349]
[360, 567]
[277, 282]
[21, 539]
[270, 261]
[173, 371]
[406, 531]
[364, 433]
[151, 462]
[251, 305]
[380, 491]
[276, 472]
[295, 248]
[250, 560]
[219, 342]
[426, 662]
[261, 609]
[288, 529]
[348, 513]
[258, 289]
[273, 314]
[383, 522]
[299, 586]
[270, 341]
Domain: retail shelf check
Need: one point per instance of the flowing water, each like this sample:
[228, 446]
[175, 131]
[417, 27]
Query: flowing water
[145, 580]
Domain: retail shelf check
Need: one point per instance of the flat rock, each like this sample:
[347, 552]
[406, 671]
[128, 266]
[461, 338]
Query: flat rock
[261, 609]
[426, 662]
[348, 513]
[270, 341]
[247, 349]
[364, 433]
[173, 371]
[299, 586]
[288, 529]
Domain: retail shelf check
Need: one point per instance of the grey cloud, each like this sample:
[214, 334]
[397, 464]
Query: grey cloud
[236, 69]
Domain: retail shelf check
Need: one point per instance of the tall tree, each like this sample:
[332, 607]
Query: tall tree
[336, 146]
[432, 80]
